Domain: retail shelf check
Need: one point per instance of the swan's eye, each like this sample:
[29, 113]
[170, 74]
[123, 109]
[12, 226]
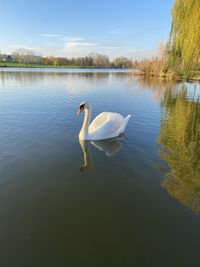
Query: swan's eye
[82, 106]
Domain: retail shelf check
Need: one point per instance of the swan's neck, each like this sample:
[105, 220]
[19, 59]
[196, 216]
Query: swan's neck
[86, 123]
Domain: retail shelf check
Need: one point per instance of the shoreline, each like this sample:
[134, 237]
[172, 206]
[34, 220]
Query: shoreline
[134, 72]
[29, 66]
[62, 70]
[167, 77]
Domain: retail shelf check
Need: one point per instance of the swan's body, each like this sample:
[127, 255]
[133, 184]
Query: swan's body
[105, 125]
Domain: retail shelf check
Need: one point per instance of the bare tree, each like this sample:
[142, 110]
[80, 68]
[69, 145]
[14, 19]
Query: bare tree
[100, 60]
[26, 56]
[122, 62]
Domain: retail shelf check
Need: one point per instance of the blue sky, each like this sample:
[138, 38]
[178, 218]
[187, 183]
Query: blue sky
[77, 27]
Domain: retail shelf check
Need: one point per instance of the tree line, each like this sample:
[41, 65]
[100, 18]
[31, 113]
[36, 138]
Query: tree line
[93, 60]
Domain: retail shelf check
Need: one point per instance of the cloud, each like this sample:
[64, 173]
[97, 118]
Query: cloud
[72, 39]
[79, 46]
[75, 46]
[51, 35]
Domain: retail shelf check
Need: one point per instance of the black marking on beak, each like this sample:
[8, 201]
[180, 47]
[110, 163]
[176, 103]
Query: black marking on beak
[82, 106]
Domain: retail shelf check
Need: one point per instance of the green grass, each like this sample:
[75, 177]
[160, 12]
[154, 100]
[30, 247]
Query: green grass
[24, 65]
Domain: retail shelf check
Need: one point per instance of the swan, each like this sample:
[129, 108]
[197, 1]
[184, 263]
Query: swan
[106, 125]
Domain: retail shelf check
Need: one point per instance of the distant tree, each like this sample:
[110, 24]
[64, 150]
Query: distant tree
[122, 62]
[100, 60]
[1, 56]
[89, 61]
[56, 62]
[45, 61]
[25, 56]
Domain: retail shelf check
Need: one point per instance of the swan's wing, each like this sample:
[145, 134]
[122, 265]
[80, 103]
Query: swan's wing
[98, 121]
[106, 126]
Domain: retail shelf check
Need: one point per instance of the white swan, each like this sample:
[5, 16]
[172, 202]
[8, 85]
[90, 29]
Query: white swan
[105, 125]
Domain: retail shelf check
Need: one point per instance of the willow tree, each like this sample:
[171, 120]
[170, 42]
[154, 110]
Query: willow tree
[184, 43]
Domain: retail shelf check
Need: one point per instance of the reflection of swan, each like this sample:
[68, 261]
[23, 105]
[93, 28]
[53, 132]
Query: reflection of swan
[106, 125]
[87, 157]
[110, 147]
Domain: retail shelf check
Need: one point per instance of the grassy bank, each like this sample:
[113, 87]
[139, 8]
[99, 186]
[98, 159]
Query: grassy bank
[25, 65]
[194, 76]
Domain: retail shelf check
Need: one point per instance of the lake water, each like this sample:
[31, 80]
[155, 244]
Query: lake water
[131, 201]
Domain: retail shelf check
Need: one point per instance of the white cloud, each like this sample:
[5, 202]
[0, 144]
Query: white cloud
[51, 35]
[72, 39]
[75, 45]
[78, 46]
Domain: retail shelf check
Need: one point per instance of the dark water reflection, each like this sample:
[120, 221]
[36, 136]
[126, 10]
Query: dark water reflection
[131, 201]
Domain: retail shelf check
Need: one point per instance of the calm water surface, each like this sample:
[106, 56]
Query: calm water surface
[131, 201]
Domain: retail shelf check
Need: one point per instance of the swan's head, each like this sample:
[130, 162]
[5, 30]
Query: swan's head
[83, 106]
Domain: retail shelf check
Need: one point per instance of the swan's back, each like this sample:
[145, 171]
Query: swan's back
[107, 125]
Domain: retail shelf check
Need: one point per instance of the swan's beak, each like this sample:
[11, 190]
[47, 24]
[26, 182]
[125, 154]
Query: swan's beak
[80, 110]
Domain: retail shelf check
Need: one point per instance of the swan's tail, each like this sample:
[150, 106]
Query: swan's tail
[126, 120]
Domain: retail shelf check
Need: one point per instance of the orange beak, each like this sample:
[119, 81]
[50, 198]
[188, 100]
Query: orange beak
[80, 110]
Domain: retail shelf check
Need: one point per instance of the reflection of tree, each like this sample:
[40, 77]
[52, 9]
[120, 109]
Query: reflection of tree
[31, 77]
[180, 136]
[158, 86]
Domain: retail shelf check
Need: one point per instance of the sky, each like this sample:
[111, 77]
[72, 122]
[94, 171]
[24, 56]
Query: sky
[73, 28]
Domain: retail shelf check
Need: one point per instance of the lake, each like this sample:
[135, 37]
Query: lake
[130, 201]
